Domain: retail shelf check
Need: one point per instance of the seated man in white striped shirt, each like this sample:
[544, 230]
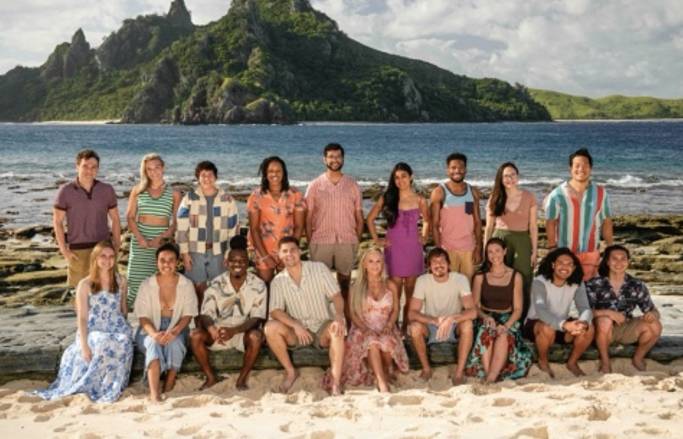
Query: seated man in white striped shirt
[300, 297]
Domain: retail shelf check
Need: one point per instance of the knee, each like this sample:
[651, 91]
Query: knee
[542, 329]
[465, 327]
[254, 337]
[656, 328]
[417, 330]
[272, 328]
[197, 337]
[603, 325]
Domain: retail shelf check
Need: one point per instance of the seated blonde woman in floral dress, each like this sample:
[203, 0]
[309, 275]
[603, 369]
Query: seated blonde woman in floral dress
[374, 346]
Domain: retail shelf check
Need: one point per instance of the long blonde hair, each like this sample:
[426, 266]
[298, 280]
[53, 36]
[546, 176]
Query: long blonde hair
[144, 179]
[94, 275]
[359, 289]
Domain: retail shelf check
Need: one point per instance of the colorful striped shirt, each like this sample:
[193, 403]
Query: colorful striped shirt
[308, 302]
[332, 210]
[579, 220]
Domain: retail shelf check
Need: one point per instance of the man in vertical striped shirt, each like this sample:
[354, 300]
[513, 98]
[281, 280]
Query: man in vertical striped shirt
[334, 219]
[300, 298]
[577, 213]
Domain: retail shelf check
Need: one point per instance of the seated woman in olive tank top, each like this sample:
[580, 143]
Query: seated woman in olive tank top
[499, 351]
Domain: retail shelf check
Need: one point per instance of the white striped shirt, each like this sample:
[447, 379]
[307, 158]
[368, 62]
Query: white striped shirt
[309, 302]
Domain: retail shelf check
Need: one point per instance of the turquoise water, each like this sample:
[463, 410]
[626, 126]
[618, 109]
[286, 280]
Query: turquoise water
[640, 162]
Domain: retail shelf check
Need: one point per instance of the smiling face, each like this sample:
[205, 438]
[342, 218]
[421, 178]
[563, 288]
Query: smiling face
[580, 169]
[563, 267]
[456, 170]
[166, 263]
[617, 262]
[274, 174]
[207, 181]
[510, 177]
[155, 171]
[439, 267]
[289, 254]
[495, 254]
[402, 179]
[334, 160]
[106, 259]
[237, 263]
[373, 263]
[87, 170]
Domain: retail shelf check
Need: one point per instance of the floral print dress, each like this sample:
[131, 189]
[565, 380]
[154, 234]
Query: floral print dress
[110, 339]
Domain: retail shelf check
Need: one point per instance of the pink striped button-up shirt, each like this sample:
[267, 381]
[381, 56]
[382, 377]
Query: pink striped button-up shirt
[332, 210]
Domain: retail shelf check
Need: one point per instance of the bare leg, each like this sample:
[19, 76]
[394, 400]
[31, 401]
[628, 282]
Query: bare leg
[466, 337]
[499, 358]
[344, 281]
[398, 281]
[375, 360]
[581, 343]
[388, 365]
[200, 339]
[336, 346]
[418, 332]
[169, 382]
[199, 290]
[253, 339]
[153, 377]
[408, 289]
[646, 341]
[278, 335]
[603, 338]
[545, 337]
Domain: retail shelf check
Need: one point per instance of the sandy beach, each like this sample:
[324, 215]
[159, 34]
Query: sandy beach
[622, 404]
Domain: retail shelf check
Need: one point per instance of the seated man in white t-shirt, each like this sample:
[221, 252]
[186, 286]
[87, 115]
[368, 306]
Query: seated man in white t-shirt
[442, 305]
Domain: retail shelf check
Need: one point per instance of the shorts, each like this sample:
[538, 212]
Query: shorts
[461, 262]
[528, 332]
[627, 332]
[338, 257]
[235, 342]
[79, 269]
[316, 338]
[589, 264]
[205, 267]
[451, 338]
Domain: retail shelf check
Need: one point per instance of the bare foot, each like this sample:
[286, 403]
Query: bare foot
[545, 367]
[288, 381]
[458, 380]
[156, 399]
[575, 369]
[336, 390]
[605, 368]
[426, 374]
[639, 364]
[241, 384]
[209, 382]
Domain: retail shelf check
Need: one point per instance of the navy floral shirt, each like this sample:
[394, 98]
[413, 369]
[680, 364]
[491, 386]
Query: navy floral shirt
[633, 293]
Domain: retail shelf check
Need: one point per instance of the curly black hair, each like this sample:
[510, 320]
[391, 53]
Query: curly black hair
[545, 268]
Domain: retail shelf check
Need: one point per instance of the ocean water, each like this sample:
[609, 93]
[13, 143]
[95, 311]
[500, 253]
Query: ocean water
[640, 162]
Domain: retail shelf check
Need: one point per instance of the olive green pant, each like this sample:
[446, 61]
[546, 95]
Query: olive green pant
[518, 257]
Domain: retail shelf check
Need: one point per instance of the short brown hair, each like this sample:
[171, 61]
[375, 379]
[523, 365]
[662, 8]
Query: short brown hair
[87, 154]
[287, 240]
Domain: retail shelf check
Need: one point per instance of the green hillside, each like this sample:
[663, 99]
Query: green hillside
[265, 61]
[564, 106]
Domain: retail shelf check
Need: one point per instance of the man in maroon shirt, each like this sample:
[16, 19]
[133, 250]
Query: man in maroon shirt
[87, 205]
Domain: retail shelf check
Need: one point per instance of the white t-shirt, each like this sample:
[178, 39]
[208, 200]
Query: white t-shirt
[441, 298]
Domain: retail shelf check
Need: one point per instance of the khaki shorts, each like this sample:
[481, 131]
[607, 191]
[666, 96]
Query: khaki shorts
[235, 342]
[461, 262]
[316, 338]
[79, 269]
[338, 257]
[627, 332]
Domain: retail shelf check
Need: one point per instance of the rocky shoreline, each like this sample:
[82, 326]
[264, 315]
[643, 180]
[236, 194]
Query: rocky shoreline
[32, 272]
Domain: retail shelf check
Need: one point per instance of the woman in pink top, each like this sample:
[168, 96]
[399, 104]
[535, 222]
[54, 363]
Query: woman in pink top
[511, 216]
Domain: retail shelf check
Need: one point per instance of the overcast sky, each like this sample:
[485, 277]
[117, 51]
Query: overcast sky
[586, 47]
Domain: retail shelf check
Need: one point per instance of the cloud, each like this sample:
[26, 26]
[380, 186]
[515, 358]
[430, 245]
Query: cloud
[576, 46]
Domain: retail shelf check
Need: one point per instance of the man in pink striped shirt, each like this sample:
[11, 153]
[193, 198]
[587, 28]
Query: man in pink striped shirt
[334, 220]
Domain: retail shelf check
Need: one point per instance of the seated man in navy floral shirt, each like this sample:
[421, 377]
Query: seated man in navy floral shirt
[613, 295]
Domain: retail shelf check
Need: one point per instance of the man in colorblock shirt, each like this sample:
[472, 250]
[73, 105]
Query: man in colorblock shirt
[577, 214]
[334, 220]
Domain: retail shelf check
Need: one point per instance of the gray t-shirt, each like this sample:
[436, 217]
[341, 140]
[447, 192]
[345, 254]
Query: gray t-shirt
[442, 298]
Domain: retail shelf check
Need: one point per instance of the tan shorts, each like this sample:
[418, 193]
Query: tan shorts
[627, 332]
[461, 262]
[80, 268]
[338, 257]
[235, 342]
[316, 338]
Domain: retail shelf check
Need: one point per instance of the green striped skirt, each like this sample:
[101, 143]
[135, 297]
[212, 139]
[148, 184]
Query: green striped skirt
[141, 261]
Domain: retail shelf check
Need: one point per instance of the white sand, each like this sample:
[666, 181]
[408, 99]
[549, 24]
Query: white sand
[623, 404]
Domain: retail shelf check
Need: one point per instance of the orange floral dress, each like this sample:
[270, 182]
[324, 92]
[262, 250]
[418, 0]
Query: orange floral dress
[276, 217]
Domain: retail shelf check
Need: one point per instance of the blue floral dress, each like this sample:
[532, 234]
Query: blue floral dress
[111, 342]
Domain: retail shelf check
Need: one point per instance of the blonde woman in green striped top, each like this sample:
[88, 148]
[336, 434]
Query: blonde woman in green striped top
[151, 220]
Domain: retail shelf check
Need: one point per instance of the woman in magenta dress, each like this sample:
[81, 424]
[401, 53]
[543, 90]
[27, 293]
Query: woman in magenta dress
[403, 208]
[373, 348]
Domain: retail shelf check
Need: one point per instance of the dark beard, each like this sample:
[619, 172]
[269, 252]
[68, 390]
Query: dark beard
[334, 170]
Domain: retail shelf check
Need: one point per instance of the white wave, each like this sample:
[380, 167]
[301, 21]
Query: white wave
[630, 181]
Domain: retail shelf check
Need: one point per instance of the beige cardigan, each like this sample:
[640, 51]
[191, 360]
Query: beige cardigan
[147, 302]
